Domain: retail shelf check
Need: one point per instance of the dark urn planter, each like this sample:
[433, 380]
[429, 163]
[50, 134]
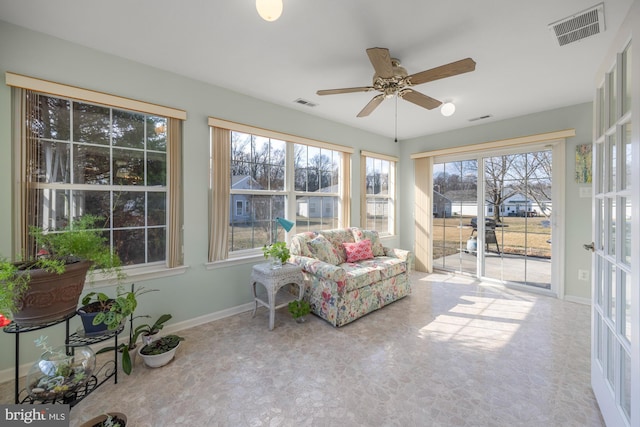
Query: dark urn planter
[50, 296]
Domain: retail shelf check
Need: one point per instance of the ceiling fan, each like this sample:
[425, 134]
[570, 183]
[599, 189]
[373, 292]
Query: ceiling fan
[391, 79]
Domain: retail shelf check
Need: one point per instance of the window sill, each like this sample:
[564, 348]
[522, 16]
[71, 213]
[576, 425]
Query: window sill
[136, 274]
[238, 260]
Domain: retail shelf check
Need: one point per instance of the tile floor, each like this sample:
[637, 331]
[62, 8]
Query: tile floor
[454, 353]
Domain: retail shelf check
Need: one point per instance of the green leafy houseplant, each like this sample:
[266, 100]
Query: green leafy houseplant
[278, 250]
[125, 349]
[149, 330]
[299, 309]
[161, 351]
[59, 252]
[161, 345]
[112, 311]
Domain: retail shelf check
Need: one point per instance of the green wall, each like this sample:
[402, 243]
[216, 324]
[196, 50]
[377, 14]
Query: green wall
[199, 291]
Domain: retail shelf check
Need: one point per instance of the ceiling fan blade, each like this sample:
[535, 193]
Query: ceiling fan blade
[419, 99]
[372, 105]
[344, 90]
[453, 69]
[381, 61]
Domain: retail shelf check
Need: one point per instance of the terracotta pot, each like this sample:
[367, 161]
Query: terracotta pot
[96, 421]
[50, 296]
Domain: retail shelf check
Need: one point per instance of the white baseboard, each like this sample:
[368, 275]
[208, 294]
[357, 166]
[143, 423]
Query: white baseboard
[23, 369]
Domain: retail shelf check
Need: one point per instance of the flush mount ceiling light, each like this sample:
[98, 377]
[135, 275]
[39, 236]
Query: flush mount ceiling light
[269, 10]
[447, 109]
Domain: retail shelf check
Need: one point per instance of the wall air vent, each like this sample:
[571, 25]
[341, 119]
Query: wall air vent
[305, 102]
[475, 119]
[579, 26]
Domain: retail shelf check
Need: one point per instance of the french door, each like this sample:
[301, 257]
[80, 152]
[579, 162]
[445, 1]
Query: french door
[615, 358]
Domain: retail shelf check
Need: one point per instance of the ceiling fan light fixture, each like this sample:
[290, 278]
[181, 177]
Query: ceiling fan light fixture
[269, 10]
[447, 109]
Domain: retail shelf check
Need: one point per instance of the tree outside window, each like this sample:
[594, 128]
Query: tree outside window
[112, 163]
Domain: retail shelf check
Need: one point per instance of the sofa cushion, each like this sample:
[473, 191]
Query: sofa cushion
[372, 235]
[337, 237]
[358, 250]
[359, 275]
[388, 266]
[299, 245]
[322, 249]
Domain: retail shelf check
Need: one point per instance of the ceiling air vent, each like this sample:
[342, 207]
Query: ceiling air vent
[475, 119]
[305, 102]
[579, 26]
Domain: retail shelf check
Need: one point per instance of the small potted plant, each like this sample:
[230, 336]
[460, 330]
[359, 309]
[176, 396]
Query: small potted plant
[161, 351]
[99, 312]
[278, 252]
[148, 334]
[299, 309]
[56, 276]
[110, 419]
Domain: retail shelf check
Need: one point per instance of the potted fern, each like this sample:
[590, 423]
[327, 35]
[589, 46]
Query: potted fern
[46, 288]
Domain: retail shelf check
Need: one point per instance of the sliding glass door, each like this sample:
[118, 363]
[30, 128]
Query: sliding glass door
[455, 200]
[495, 224]
[517, 228]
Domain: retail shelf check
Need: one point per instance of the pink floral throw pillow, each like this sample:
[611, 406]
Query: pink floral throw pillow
[358, 251]
[376, 245]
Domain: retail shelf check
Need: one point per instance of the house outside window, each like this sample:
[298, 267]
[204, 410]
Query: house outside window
[379, 192]
[257, 182]
[275, 175]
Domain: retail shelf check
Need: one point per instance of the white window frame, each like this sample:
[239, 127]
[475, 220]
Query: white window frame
[49, 88]
[390, 197]
[289, 191]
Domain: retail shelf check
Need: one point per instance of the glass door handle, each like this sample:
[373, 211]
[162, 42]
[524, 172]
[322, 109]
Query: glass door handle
[589, 247]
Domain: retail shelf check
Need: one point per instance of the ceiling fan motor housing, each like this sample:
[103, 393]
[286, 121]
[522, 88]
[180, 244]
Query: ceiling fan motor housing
[390, 86]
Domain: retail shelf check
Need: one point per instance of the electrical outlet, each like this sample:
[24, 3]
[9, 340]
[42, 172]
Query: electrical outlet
[583, 275]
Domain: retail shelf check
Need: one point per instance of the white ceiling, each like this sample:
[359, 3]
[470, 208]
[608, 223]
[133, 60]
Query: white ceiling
[320, 44]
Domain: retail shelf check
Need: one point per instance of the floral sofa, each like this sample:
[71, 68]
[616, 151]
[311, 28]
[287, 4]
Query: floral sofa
[348, 273]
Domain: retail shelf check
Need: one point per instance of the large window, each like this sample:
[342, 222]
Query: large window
[378, 211]
[317, 188]
[92, 159]
[259, 175]
[257, 185]
[81, 152]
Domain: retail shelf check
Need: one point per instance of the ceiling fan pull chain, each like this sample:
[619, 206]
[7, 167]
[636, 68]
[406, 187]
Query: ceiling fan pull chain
[396, 134]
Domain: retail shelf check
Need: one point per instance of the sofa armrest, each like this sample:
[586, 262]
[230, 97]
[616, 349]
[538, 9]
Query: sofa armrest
[404, 255]
[320, 268]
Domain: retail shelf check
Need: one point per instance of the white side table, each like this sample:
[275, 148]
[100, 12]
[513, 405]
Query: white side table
[273, 280]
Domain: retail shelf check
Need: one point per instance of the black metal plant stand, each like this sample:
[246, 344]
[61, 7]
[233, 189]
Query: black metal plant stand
[102, 374]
